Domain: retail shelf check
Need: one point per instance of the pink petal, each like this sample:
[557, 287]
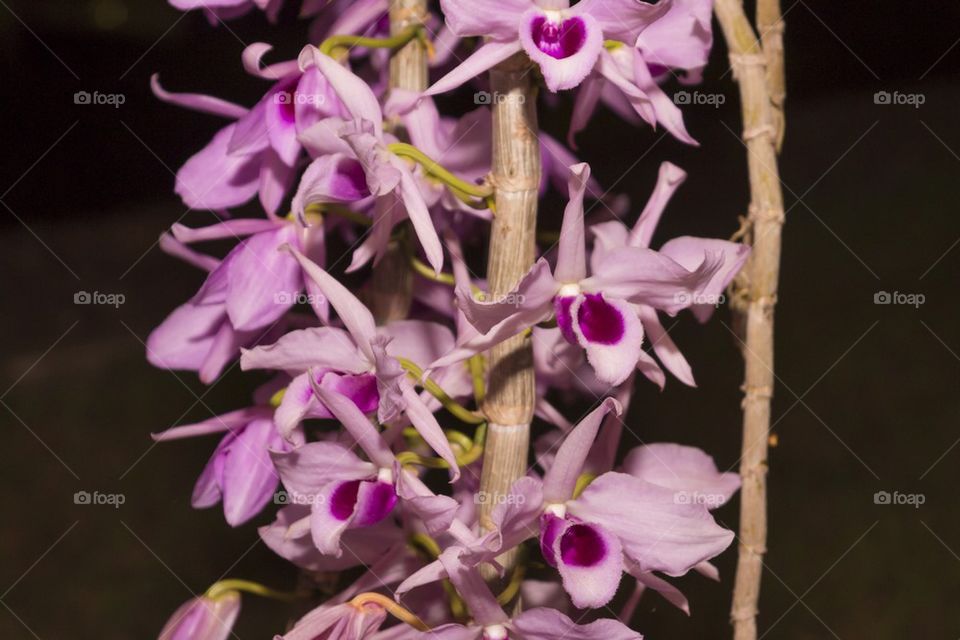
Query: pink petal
[197, 101]
[300, 350]
[249, 478]
[496, 19]
[306, 469]
[355, 94]
[561, 478]
[572, 250]
[214, 179]
[682, 468]
[657, 531]
[664, 346]
[669, 179]
[549, 624]
[622, 20]
[263, 281]
[353, 313]
[486, 56]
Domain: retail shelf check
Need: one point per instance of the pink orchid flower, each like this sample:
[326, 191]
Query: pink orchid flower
[389, 178]
[240, 472]
[618, 523]
[564, 40]
[257, 154]
[612, 238]
[627, 74]
[244, 297]
[346, 492]
[595, 312]
[359, 362]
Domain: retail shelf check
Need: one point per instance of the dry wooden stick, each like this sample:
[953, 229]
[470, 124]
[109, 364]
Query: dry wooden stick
[770, 26]
[760, 134]
[515, 175]
[391, 287]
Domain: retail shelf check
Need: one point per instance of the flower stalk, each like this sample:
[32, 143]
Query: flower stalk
[749, 60]
[510, 393]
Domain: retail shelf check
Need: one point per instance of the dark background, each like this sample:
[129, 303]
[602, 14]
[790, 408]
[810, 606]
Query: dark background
[866, 399]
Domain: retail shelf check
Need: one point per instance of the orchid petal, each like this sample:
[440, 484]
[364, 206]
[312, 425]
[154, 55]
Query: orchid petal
[495, 19]
[657, 531]
[561, 479]
[355, 316]
[300, 350]
[485, 57]
[213, 179]
[682, 468]
[197, 101]
[669, 179]
[572, 250]
[549, 624]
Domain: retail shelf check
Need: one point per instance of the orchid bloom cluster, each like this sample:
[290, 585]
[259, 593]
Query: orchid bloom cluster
[369, 432]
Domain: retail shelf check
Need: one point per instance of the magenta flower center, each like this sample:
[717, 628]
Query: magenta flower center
[558, 40]
[344, 500]
[375, 503]
[599, 321]
[582, 546]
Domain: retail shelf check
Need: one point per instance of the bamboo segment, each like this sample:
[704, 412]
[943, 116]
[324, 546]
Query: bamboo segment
[766, 217]
[515, 175]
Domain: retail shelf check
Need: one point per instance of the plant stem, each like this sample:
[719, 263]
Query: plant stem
[766, 220]
[770, 26]
[510, 394]
[391, 287]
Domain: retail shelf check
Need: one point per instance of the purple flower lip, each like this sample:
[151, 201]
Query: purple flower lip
[600, 322]
[582, 546]
[558, 39]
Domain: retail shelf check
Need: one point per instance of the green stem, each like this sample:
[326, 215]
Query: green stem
[220, 589]
[438, 171]
[451, 405]
[477, 374]
[328, 46]
[428, 272]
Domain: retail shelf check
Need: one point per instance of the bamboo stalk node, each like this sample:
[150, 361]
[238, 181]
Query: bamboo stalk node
[747, 474]
[410, 16]
[762, 130]
[757, 213]
[744, 614]
[740, 60]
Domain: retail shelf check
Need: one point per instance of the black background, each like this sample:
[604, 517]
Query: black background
[866, 399]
